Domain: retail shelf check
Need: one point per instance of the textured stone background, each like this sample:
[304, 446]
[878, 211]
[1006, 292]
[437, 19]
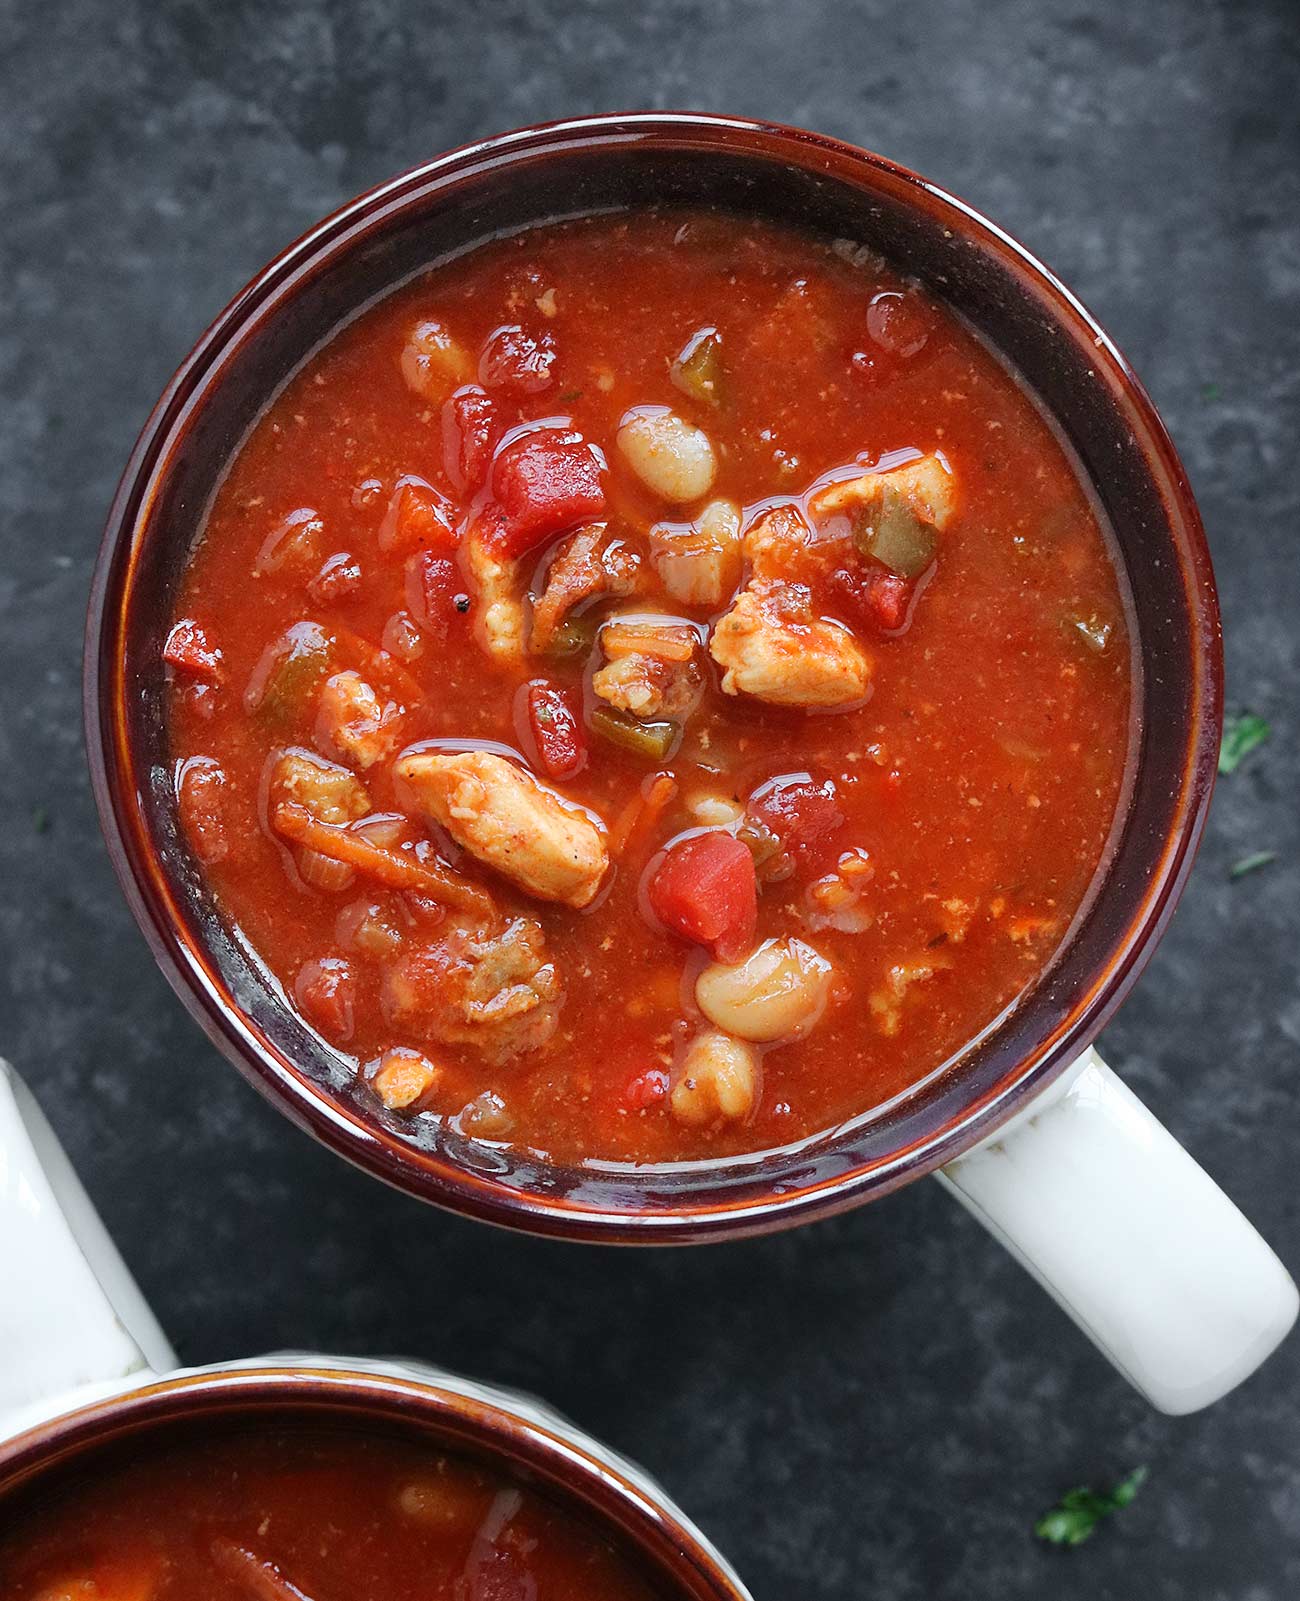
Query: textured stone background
[877, 1406]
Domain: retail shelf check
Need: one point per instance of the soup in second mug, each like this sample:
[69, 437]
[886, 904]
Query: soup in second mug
[302, 1514]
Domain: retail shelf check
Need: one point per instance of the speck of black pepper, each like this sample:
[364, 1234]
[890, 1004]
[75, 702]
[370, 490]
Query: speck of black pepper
[461, 603]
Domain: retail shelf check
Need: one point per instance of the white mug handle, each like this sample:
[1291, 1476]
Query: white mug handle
[72, 1320]
[1133, 1239]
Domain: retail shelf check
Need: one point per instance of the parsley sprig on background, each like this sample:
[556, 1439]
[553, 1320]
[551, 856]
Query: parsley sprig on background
[1240, 737]
[1251, 863]
[1074, 1517]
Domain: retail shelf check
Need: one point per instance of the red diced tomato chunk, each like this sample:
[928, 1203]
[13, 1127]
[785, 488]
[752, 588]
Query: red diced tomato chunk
[875, 595]
[705, 889]
[188, 650]
[200, 782]
[469, 430]
[418, 518]
[646, 1089]
[517, 361]
[545, 482]
[888, 597]
[435, 591]
[325, 991]
[797, 811]
[557, 733]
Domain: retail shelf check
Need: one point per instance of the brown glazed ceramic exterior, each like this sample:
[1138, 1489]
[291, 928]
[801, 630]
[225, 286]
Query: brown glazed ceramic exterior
[583, 166]
[624, 1506]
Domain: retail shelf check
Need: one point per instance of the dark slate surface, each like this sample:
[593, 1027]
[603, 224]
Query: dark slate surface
[875, 1406]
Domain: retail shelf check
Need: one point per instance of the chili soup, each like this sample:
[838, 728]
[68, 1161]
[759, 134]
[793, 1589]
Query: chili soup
[651, 688]
[303, 1516]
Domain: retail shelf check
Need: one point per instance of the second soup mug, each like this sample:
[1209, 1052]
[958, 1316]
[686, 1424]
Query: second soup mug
[1029, 1129]
[87, 1378]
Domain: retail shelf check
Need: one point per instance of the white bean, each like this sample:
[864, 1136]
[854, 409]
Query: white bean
[671, 457]
[777, 993]
[433, 364]
[714, 811]
[699, 563]
[718, 1078]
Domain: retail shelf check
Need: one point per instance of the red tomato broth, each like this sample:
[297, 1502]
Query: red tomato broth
[981, 777]
[302, 1514]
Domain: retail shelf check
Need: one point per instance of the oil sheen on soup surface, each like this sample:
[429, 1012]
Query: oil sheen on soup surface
[654, 687]
[303, 1517]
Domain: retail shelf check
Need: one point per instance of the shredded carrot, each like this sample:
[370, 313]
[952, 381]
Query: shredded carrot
[641, 813]
[378, 665]
[390, 865]
[667, 642]
[259, 1578]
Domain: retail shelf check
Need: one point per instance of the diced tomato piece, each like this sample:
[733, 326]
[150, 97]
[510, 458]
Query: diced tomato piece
[705, 889]
[325, 991]
[517, 361]
[188, 650]
[435, 592]
[469, 430]
[199, 785]
[646, 1089]
[797, 811]
[888, 597]
[545, 482]
[418, 518]
[876, 595]
[561, 743]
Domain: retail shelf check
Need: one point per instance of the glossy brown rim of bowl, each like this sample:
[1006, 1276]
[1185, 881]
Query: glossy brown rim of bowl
[998, 1077]
[614, 1501]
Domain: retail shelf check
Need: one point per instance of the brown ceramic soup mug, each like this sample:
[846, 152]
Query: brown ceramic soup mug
[463, 1479]
[1027, 1126]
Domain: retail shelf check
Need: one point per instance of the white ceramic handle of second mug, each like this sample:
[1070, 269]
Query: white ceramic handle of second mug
[72, 1321]
[1135, 1241]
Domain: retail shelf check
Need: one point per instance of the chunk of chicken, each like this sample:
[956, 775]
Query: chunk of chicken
[651, 668]
[771, 646]
[927, 486]
[502, 815]
[781, 544]
[352, 721]
[331, 794]
[588, 564]
[497, 992]
[499, 613]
